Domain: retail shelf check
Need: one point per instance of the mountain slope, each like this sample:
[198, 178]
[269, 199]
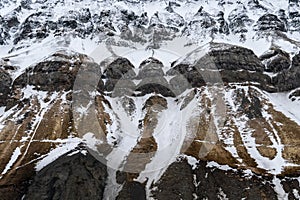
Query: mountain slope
[149, 100]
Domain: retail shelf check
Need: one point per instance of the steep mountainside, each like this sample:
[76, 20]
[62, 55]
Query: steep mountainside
[149, 99]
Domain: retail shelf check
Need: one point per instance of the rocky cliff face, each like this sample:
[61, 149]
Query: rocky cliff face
[233, 131]
[217, 121]
[27, 22]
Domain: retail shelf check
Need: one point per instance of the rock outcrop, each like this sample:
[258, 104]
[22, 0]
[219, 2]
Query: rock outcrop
[288, 79]
[224, 64]
[275, 60]
[118, 76]
[137, 26]
[5, 84]
[270, 22]
[75, 176]
[180, 181]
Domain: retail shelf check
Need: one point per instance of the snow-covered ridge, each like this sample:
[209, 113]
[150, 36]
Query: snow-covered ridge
[257, 25]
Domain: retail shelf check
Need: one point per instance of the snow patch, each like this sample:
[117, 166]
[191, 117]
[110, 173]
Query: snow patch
[193, 162]
[282, 103]
[281, 194]
[70, 144]
[17, 152]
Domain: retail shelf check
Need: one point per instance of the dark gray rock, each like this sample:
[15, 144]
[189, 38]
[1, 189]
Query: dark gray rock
[68, 22]
[203, 19]
[181, 182]
[102, 22]
[128, 16]
[214, 183]
[222, 64]
[224, 56]
[291, 186]
[118, 77]
[4, 31]
[5, 87]
[179, 84]
[121, 68]
[176, 183]
[295, 95]
[190, 73]
[263, 81]
[283, 17]
[239, 21]
[202, 23]
[11, 20]
[152, 62]
[275, 60]
[35, 26]
[26, 4]
[233, 58]
[84, 15]
[223, 25]
[250, 104]
[294, 15]
[162, 27]
[59, 72]
[198, 78]
[78, 23]
[294, 24]
[255, 4]
[120, 87]
[70, 177]
[269, 22]
[128, 104]
[167, 19]
[150, 68]
[157, 85]
[290, 78]
[132, 191]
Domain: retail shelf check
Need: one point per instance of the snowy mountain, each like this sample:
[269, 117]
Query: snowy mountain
[154, 99]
